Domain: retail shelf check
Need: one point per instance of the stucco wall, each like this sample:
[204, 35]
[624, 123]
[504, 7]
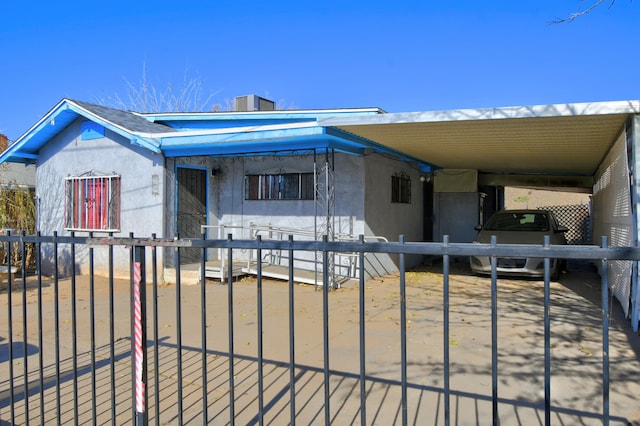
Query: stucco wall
[363, 205]
[387, 219]
[142, 195]
[227, 205]
[456, 215]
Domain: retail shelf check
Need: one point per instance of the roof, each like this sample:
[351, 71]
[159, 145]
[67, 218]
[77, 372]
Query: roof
[559, 145]
[209, 120]
[564, 139]
[131, 121]
[25, 148]
[189, 134]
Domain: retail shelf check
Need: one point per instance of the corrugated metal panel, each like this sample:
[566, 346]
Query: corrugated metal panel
[613, 216]
[550, 145]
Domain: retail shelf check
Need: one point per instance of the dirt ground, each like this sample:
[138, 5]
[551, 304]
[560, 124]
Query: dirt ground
[576, 354]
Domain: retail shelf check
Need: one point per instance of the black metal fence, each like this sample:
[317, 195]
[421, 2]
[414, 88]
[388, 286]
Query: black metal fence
[88, 349]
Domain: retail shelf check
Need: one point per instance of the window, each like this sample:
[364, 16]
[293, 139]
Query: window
[286, 186]
[518, 221]
[92, 203]
[401, 188]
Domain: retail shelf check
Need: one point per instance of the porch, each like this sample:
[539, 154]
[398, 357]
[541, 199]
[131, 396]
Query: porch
[274, 263]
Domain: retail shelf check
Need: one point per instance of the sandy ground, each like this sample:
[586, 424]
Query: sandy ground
[576, 355]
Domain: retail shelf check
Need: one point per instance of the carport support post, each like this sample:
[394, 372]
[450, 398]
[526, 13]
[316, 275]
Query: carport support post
[139, 317]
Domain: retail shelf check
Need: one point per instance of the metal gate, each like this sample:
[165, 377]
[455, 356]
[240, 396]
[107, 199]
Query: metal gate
[90, 349]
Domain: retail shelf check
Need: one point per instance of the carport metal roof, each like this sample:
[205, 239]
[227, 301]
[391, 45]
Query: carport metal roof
[546, 145]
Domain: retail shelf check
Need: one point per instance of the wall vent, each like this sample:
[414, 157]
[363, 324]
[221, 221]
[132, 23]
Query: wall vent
[252, 103]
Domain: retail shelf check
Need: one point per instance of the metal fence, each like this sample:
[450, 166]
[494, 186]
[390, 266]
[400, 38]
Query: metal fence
[87, 349]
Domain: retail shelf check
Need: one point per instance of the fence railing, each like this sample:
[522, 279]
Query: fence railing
[88, 349]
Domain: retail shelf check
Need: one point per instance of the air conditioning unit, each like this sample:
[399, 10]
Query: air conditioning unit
[252, 103]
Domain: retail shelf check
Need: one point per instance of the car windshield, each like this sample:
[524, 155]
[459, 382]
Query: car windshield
[518, 221]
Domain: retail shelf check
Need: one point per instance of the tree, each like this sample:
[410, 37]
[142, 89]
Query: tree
[17, 211]
[582, 12]
[189, 96]
[144, 96]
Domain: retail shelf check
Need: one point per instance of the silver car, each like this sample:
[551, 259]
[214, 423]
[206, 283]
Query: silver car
[520, 227]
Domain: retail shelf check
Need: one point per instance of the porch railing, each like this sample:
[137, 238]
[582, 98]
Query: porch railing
[346, 267]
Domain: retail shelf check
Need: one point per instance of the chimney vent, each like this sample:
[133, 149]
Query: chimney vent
[252, 103]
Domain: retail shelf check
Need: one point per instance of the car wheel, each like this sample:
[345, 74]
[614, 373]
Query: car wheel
[560, 266]
[555, 274]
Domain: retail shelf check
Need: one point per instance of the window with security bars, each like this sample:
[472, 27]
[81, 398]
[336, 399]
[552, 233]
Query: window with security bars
[92, 203]
[401, 188]
[285, 186]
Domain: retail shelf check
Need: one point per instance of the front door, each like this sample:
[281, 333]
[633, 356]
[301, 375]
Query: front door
[192, 209]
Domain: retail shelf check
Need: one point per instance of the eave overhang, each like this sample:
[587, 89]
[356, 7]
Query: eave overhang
[26, 148]
[274, 140]
[541, 140]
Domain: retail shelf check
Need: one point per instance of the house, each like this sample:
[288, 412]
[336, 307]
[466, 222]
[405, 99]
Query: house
[114, 172]
[15, 175]
[16, 180]
[342, 173]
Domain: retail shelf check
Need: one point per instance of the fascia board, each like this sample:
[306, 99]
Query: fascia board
[247, 148]
[16, 152]
[228, 130]
[245, 135]
[257, 115]
[294, 145]
[44, 121]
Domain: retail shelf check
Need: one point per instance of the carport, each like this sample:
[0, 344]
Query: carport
[582, 147]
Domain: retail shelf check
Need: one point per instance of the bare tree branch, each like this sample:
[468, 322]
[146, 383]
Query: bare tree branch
[188, 96]
[580, 13]
[143, 96]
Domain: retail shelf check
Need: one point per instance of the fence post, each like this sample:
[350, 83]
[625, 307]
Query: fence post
[140, 339]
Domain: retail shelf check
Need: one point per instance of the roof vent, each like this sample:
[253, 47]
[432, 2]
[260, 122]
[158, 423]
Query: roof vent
[252, 103]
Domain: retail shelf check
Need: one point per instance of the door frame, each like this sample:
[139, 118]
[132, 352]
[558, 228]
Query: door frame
[177, 196]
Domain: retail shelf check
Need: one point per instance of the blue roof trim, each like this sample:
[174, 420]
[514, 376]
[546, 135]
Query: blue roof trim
[135, 139]
[295, 146]
[280, 140]
[181, 125]
[253, 133]
[280, 116]
[268, 141]
[25, 149]
[248, 136]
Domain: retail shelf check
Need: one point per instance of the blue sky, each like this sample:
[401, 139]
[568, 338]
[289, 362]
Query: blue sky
[399, 56]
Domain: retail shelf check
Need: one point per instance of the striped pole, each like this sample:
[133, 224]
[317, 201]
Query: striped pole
[139, 327]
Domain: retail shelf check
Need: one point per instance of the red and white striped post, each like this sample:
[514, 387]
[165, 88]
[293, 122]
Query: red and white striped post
[139, 335]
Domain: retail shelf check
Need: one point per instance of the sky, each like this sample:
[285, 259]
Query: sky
[400, 56]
